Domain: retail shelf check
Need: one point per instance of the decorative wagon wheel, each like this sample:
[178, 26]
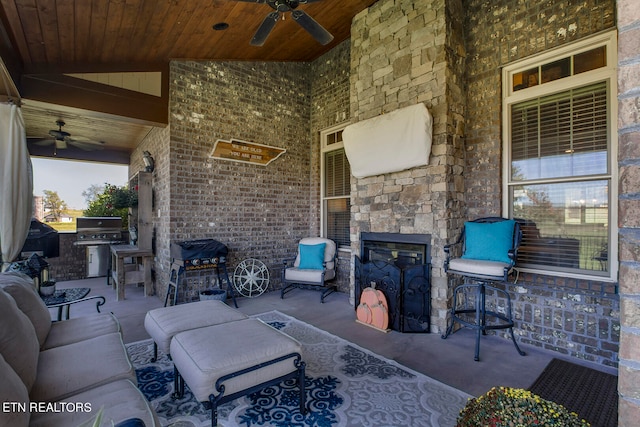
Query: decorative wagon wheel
[251, 278]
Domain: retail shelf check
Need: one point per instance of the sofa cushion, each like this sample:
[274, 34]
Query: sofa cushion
[80, 329]
[18, 341]
[12, 390]
[22, 289]
[120, 400]
[74, 368]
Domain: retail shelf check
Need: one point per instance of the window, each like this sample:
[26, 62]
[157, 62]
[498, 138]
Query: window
[560, 174]
[336, 187]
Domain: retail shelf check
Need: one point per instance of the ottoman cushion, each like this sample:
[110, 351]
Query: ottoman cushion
[204, 355]
[165, 322]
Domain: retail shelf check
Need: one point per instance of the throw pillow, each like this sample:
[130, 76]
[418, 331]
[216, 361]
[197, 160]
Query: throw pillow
[18, 341]
[312, 256]
[489, 241]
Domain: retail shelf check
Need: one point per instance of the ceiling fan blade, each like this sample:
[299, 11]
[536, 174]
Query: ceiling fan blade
[83, 140]
[316, 30]
[265, 29]
[87, 145]
[40, 141]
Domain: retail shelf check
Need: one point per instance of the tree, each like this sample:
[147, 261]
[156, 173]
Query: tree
[54, 204]
[92, 193]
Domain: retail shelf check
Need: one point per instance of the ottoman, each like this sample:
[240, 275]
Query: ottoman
[223, 362]
[165, 322]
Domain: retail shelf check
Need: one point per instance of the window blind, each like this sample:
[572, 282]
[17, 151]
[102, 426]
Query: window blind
[560, 135]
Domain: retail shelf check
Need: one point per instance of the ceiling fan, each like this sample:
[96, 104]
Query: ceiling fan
[62, 139]
[316, 30]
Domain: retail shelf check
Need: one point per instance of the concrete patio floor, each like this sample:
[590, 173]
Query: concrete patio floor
[449, 361]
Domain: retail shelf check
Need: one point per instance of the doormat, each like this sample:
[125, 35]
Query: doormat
[592, 394]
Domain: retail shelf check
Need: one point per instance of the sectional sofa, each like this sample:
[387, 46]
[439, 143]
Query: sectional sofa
[62, 373]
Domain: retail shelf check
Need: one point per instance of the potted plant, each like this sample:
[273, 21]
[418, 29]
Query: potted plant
[505, 406]
[48, 288]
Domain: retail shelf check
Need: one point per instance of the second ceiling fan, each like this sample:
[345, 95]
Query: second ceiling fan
[61, 139]
[316, 30]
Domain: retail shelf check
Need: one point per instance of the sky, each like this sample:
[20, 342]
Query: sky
[70, 178]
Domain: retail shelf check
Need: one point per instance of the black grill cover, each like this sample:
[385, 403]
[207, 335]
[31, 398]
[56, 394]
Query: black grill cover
[42, 239]
[198, 249]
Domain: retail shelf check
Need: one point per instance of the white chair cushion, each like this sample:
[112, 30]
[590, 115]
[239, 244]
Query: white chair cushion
[299, 275]
[165, 322]
[329, 250]
[18, 341]
[74, 368]
[204, 355]
[79, 329]
[480, 267]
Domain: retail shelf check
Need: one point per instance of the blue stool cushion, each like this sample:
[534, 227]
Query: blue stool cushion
[489, 241]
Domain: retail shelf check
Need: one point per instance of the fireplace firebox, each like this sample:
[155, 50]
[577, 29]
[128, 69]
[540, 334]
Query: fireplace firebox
[399, 266]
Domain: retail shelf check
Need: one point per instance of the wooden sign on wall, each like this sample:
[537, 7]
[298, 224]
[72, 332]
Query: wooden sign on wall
[246, 152]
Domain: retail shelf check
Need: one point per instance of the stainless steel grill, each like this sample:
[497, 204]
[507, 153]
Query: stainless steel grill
[100, 230]
[96, 234]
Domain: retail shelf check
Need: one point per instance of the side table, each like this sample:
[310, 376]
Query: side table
[63, 298]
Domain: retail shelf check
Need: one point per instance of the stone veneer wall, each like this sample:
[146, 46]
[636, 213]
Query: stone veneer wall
[629, 209]
[403, 53]
[574, 317]
[258, 212]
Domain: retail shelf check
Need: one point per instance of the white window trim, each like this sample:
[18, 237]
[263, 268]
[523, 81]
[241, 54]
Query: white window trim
[609, 73]
[323, 149]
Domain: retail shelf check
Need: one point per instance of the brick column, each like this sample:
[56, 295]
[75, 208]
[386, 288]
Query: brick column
[629, 210]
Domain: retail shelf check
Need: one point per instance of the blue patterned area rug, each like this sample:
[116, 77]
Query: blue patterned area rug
[346, 386]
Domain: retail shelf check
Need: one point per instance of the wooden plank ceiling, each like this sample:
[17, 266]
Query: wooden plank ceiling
[42, 41]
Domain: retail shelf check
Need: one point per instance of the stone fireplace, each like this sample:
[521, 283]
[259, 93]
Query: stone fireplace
[429, 69]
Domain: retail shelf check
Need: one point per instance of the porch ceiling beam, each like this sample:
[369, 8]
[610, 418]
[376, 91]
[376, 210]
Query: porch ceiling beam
[83, 94]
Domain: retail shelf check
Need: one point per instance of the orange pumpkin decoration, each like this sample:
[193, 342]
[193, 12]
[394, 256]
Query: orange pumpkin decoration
[373, 309]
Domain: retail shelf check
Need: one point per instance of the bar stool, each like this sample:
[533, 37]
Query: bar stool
[488, 248]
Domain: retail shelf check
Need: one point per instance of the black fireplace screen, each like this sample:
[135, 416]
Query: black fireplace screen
[399, 266]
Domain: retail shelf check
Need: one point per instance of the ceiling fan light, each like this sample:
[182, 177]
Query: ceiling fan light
[220, 26]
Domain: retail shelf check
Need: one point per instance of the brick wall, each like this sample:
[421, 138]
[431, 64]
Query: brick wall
[72, 262]
[402, 54]
[574, 317]
[629, 209]
[157, 143]
[329, 107]
[258, 212]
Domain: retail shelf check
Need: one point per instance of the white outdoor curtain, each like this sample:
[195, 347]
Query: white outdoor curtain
[16, 185]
